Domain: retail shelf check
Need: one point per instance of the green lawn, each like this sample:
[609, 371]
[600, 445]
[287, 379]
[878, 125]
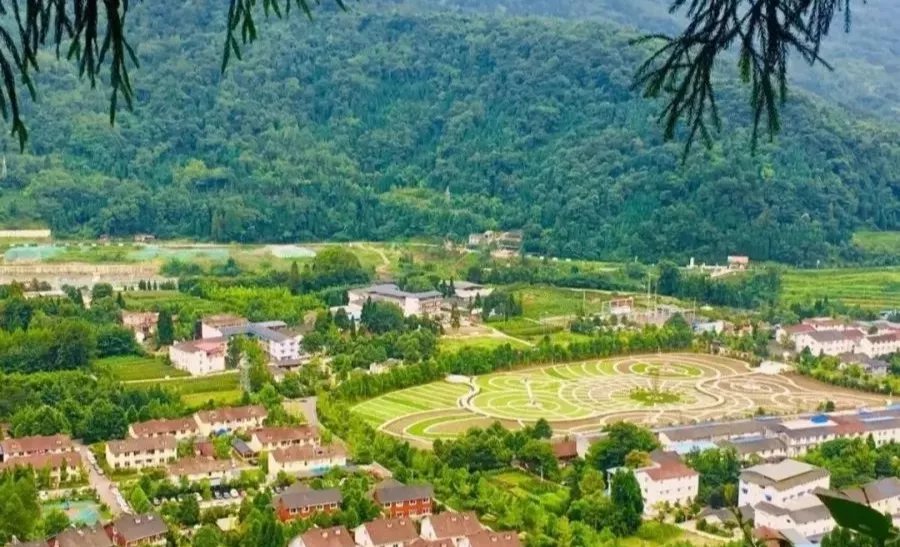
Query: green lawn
[543, 302]
[223, 389]
[392, 405]
[878, 242]
[484, 342]
[870, 288]
[129, 368]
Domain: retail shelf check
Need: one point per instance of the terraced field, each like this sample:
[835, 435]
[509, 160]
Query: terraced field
[654, 390]
[870, 288]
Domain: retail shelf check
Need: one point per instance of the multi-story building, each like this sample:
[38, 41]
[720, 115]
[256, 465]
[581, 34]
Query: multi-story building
[199, 357]
[667, 480]
[300, 501]
[780, 483]
[806, 516]
[62, 466]
[450, 526]
[230, 419]
[883, 495]
[212, 326]
[272, 438]
[672, 438]
[387, 532]
[306, 460]
[31, 446]
[399, 500]
[141, 453]
[880, 344]
[180, 428]
[279, 342]
[132, 530]
[420, 303]
[199, 469]
[336, 536]
[829, 342]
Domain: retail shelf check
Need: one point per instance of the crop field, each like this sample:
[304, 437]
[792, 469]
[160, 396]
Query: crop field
[654, 390]
[133, 368]
[223, 389]
[870, 288]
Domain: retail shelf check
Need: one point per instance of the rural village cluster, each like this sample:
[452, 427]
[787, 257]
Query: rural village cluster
[777, 488]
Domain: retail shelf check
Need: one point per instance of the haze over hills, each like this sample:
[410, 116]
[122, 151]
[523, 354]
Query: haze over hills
[381, 124]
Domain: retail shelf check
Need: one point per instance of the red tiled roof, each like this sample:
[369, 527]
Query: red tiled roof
[565, 450]
[42, 461]
[451, 525]
[307, 452]
[36, 443]
[385, 531]
[668, 466]
[232, 414]
[162, 427]
[270, 435]
[495, 539]
[336, 536]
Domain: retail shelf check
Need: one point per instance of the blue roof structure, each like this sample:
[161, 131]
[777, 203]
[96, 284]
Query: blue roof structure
[686, 447]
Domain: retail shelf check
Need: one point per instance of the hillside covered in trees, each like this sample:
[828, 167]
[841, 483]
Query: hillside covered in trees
[386, 123]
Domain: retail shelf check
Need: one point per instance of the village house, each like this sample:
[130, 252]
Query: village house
[30, 446]
[386, 532]
[565, 450]
[805, 517]
[211, 326]
[306, 460]
[90, 536]
[420, 303]
[61, 466]
[130, 530]
[280, 343]
[197, 469]
[450, 526]
[468, 291]
[230, 419]
[869, 365]
[883, 495]
[829, 342]
[487, 538]
[141, 453]
[666, 480]
[880, 344]
[780, 483]
[180, 428]
[336, 536]
[620, 306]
[271, 438]
[141, 323]
[738, 262]
[765, 448]
[399, 500]
[299, 501]
[199, 357]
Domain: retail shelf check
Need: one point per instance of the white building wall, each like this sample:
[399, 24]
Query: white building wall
[681, 490]
[196, 363]
[751, 493]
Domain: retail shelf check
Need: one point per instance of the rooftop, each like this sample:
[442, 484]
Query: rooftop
[495, 539]
[57, 460]
[307, 452]
[451, 525]
[36, 444]
[196, 466]
[151, 428]
[300, 495]
[393, 291]
[232, 414]
[783, 474]
[205, 345]
[876, 491]
[139, 527]
[92, 536]
[143, 444]
[387, 531]
[391, 491]
[336, 536]
[272, 435]
[667, 466]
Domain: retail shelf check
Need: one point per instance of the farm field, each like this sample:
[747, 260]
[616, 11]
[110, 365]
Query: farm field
[582, 397]
[453, 344]
[134, 368]
[871, 288]
[878, 242]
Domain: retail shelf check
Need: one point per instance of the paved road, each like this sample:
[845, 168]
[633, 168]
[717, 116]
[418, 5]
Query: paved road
[106, 489]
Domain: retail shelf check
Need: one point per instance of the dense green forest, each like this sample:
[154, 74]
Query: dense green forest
[386, 123]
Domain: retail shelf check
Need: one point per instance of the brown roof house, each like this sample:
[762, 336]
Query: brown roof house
[389, 532]
[301, 501]
[450, 526]
[147, 529]
[180, 428]
[306, 460]
[61, 467]
[141, 453]
[271, 438]
[29, 446]
[491, 539]
[91, 536]
[399, 500]
[229, 419]
[336, 536]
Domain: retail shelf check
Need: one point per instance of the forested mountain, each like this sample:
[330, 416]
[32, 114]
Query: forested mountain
[380, 124]
[866, 60]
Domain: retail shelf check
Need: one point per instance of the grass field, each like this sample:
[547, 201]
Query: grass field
[542, 302]
[870, 288]
[439, 395]
[223, 389]
[485, 342]
[878, 242]
[129, 368]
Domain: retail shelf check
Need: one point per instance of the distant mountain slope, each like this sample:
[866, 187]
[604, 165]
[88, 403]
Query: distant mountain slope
[866, 78]
[384, 125]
